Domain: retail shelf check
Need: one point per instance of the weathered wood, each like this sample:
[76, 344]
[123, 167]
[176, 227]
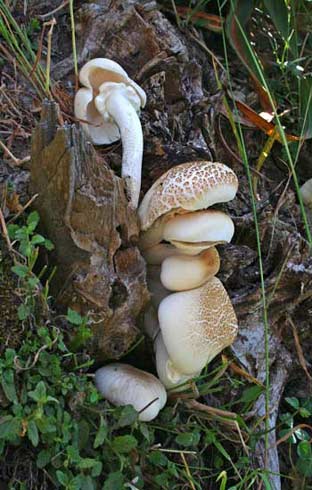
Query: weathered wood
[84, 210]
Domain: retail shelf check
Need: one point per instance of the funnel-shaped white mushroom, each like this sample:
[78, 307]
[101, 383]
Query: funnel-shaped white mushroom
[183, 272]
[122, 384]
[108, 109]
[191, 186]
[167, 373]
[201, 226]
[196, 325]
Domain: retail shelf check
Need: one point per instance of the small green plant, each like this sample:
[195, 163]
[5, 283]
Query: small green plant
[297, 433]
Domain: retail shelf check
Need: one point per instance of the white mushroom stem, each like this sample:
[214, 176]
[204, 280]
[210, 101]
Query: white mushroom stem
[121, 104]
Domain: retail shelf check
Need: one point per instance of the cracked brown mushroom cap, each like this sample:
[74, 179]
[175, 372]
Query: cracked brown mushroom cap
[122, 384]
[196, 325]
[182, 272]
[190, 187]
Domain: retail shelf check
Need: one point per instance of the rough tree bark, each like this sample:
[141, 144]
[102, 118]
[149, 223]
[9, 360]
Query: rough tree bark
[84, 210]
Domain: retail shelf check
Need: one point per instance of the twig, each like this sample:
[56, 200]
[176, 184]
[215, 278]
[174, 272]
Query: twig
[36, 357]
[23, 209]
[5, 230]
[188, 473]
[57, 9]
[72, 23]
[47, 82]
[300, 354]
[17, 161]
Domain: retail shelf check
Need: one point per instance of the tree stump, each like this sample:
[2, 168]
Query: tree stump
[84, 210]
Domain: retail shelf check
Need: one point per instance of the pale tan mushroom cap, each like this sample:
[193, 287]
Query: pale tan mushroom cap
[101, 70]
[190, 186]
[184, 272]
[196, 325]
[122, 384]
[167, 373]
[306, 193]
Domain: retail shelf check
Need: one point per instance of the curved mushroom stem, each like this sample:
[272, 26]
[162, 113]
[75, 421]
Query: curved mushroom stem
[123, 109]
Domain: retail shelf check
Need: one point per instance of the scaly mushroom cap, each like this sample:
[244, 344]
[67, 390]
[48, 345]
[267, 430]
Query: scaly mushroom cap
[190, 186]
[122, 384]
[167, 373]
[196, 325]
[183, 272]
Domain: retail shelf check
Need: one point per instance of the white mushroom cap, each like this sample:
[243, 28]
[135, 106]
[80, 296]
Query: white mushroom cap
[122, 384]
[190, 186]
[108, 108]
[196, 325]
[183, 272]
[167, 373]
[306, 193]
[93, 75]
[200, 226]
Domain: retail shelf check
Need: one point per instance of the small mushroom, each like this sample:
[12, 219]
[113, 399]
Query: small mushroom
[167, 373]
[188, 187]
[122, 384]
[306, 193]
[183, 272]
[196, 325]
[108, 108]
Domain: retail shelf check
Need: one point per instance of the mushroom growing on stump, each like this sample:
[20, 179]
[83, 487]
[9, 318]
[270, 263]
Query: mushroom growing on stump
[188, 187]
[199, 321]
[196, 325]
[122, 384]
[108, 108]
[183, 272]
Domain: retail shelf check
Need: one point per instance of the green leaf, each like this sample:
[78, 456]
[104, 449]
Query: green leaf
[8, 385]
[128, 416]
[87, 463]
[188, 439]
[293, 402]
[48, 245]
[87, 483]
[40, 393]
[37, 239]
[124, 444]
[23, 312]
[97, 469]
[62, 478]
[101, 434]
[43, 458]
[20, 270]
[12, 229]
[74, 317]
[158, 458]
[32, 433]
[115, 481]
[304, 466]
[9, 427]
[251, 394]
[32, 220]
[304, 450]
[279, 15]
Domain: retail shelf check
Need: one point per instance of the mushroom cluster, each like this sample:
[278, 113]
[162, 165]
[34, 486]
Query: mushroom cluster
[178, 239]
[179, 232]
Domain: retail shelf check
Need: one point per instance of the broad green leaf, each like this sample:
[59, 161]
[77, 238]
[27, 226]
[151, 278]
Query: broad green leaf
[23, 312]
[304, 450]
[128, 416]
[101, 434]
[8, 385]
[20, 270]
[124, 444]
[40, 393]
[32, 433]
[32, 220]
[188, 439]
[74, 317]
[251, 394]
[115, 481]
[293, 402]
[43, 458]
